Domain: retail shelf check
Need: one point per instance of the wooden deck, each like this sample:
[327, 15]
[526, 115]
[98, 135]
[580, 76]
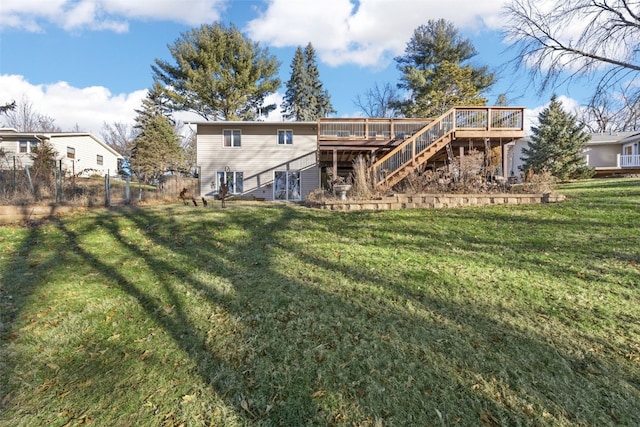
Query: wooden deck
[407, 143]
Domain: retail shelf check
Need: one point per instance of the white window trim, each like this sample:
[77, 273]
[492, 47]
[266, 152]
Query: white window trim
[278, 137]
[31, 143]
[232, 139]
[217, 183]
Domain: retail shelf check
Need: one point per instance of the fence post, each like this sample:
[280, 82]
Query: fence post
[107, 189]
[26, 169]
[127, 191]
[59, 183]
[15, 178]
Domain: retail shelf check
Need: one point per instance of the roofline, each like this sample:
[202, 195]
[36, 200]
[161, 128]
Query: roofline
[250, 123]
[50, 135]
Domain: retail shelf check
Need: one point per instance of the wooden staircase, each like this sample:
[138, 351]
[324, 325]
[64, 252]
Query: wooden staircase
[476, 122]
[414, 151]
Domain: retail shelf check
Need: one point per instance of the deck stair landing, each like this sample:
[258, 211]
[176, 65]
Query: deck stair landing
[436, 135]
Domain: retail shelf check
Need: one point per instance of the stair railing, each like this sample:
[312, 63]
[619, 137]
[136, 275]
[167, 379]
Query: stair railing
[407, 151]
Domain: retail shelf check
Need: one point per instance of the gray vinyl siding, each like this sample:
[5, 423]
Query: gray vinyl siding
[603, 156]
[258, 157]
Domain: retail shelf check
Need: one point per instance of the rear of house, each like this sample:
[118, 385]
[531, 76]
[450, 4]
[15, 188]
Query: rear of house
[265, 160]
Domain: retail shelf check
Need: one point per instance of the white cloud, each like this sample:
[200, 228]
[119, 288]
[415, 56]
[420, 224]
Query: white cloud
[32, 15]
[367, 33]
[569, 105]
[88, 108]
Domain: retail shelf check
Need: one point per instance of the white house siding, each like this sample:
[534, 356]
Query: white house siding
[87, 148]
[258, 157]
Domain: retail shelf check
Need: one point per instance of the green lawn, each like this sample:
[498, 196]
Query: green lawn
[283, 315]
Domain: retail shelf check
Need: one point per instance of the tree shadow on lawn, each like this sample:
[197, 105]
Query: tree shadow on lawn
[330, 348]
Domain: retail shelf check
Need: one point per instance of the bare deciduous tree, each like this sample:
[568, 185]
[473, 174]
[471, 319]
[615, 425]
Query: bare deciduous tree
[617, 111]
[119, 136]
[563, 39]
[24, 118]
[378, 101]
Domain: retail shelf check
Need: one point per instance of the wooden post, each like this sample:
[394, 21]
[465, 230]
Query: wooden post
[127, 191]
[107, 189]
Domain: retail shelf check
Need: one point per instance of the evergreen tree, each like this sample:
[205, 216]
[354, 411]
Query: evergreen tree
[156, 150]
[155, 103]
[320, 99]
[305, 98]
[557, 144]
[7, 107]
[219, 74]
[436, 74]
[297, 102]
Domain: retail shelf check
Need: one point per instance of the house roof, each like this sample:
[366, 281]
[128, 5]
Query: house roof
[613, 138]
[634, 137]
[12, 133]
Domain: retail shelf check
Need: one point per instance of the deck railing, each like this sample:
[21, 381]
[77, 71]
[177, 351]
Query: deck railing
[406, 152]
[456, 119]
[501, 118]
[332, 129]
[630, 160]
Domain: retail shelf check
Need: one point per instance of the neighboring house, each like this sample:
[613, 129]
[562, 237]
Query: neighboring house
[81, 154]
[607, 153]
[266, 160]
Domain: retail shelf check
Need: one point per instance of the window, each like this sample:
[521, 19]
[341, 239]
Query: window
[285, 137]
[232, 179]
[231, 137]
[286, 185]
[99, 160]
[71, 153]
[27, 146]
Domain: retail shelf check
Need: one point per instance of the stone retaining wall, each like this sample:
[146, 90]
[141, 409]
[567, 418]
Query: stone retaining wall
[437, 201]
[19, 214]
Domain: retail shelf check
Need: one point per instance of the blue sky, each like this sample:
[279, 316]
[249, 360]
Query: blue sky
[86, 62]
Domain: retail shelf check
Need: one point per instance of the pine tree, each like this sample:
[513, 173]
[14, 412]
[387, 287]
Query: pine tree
[305, 98]
[155, 103]
[297, 101]
[320, 100]
[156, 149]
[218, 74]
[557, 144]
[436, 73]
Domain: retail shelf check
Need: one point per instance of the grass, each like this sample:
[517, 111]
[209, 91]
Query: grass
[280, 315]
